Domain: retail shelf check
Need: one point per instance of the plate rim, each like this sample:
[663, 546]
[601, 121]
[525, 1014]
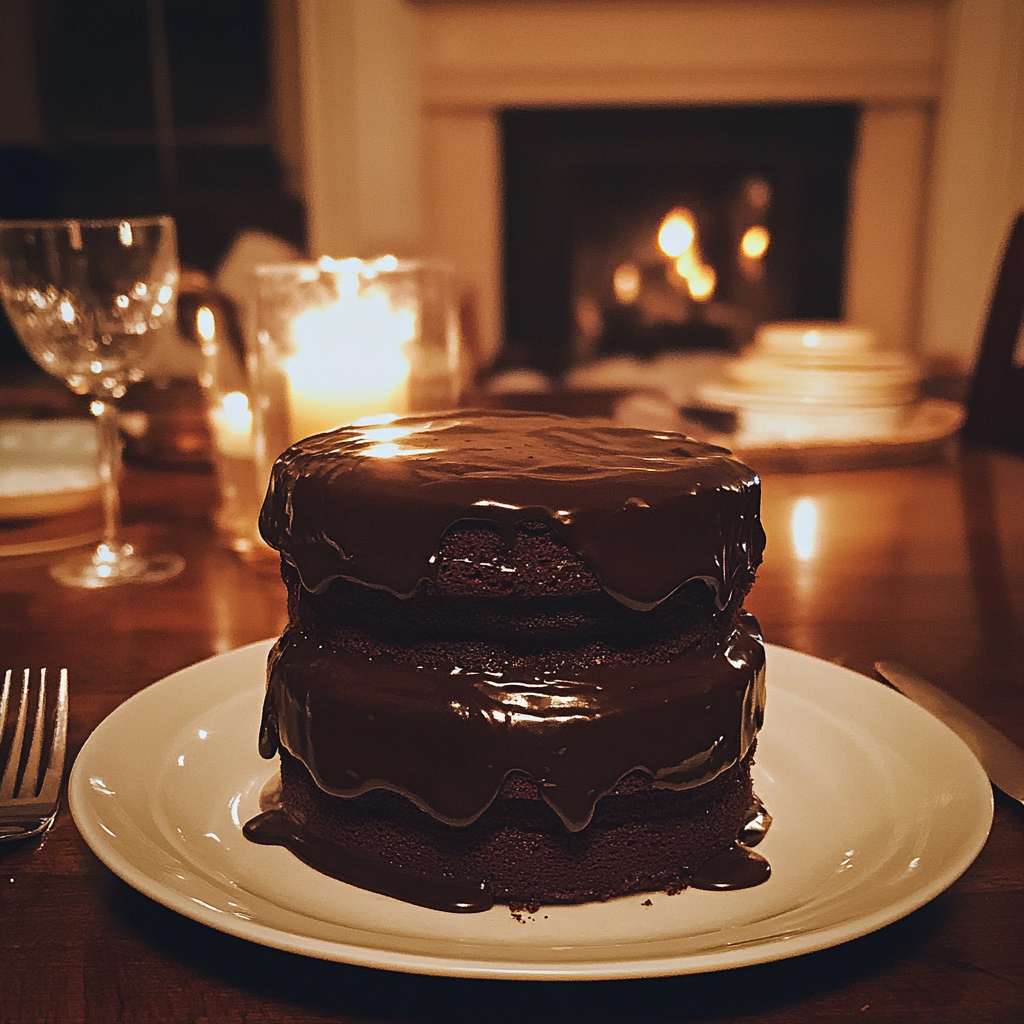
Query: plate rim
[760, 951]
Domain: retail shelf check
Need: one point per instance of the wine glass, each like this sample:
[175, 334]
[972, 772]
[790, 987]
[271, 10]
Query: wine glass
[87, 299]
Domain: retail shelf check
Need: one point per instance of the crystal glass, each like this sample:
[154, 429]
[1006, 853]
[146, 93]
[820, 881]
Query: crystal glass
[87, 299]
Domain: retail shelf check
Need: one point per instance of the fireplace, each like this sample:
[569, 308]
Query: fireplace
[635, 230]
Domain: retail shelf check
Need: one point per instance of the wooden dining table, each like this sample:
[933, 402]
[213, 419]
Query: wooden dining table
[921, 564]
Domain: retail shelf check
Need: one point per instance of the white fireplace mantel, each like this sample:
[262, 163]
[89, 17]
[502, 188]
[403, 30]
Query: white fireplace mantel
[398, 106]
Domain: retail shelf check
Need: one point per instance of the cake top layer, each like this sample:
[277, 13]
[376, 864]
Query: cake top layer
[645, 511]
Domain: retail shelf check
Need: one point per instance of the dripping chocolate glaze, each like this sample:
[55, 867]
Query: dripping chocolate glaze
[277, 828]
[737, 867]
[646, 511]
[360, 724]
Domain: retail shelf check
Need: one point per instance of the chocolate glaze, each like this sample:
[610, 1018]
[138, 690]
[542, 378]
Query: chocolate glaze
[277, 828]
[359, 724]
[645, 511]
[737, 867]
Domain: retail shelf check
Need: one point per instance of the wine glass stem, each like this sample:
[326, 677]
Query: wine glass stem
[110, 469]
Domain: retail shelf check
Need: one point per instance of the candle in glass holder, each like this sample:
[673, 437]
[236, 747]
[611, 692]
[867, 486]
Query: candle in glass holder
[348, 358]
[231, 423]
[344, 340]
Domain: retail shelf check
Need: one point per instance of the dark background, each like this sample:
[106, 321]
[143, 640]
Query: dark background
[151, 106]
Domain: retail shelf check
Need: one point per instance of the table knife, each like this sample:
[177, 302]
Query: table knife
[1001, 758]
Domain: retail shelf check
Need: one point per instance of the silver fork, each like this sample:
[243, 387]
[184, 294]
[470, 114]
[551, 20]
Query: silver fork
[28, 805]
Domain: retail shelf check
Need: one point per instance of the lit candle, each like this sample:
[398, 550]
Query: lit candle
[349, 360]
[231, 421]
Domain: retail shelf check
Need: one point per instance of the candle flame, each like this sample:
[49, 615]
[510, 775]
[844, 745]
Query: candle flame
[677, 233]
[206, 324]
[702, 283]
[349, 357]
[754, 243]
[236, 409]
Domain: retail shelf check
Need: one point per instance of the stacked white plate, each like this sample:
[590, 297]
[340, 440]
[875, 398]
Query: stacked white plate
[809, 382]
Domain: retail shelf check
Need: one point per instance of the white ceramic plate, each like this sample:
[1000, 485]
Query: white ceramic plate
[877, 806]
[47, 467]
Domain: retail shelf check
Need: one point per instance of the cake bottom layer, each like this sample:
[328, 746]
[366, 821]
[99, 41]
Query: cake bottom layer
[641, 839]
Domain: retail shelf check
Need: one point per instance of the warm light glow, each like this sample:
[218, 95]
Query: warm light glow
[391, 451]
[349, 359]
[677, 233]
[97, 408]
[67, 312]
[626, 282]
[236, 408]
[165, 293]
[687, 265]
[231, 424]
[329, 265]
[386, 263]
[382, 451]
[104, 553]
[811, 339]
[372, 421]
[124, 233]
[206, 325]
[702, 283]
[121, 302]
[755, 242]
[804, 526]
[381, 435]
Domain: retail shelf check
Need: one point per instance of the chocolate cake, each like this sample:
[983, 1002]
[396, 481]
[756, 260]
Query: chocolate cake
[517, 667]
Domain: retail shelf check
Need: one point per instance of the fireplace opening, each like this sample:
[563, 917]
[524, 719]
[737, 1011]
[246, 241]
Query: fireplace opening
[640, 230]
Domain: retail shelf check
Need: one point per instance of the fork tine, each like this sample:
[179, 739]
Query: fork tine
[3, 701]
[55, 767]
[14, 754]
[30, 777]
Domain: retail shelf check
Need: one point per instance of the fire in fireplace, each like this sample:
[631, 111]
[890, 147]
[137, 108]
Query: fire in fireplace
[636, 230]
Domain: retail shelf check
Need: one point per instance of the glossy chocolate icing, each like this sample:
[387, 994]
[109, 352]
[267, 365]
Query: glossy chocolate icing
[645, 511]
[359, 724]
[736, 867]
[275, 827]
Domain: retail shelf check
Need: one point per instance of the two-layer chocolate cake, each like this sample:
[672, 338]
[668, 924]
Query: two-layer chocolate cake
[517, 667]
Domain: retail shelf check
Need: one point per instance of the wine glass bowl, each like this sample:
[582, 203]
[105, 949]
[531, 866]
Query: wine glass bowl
[87, 300]
[87, 297]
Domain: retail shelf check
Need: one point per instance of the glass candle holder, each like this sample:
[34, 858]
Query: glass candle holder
[340, 341]
[227, 381]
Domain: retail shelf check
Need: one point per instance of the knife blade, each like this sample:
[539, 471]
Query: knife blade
[1001, 758]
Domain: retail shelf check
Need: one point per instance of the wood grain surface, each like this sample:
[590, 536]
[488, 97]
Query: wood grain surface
[922, 564]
